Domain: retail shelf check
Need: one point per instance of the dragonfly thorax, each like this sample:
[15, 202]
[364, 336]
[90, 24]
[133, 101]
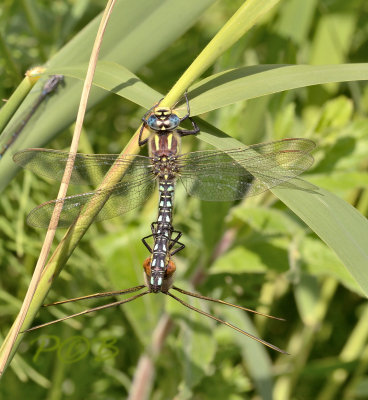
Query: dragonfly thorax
[164, 144]
[52, 84]
[165, 167]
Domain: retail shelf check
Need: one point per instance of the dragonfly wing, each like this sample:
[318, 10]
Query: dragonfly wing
[233, 174]
[112, 202]
[88, 169]
[213, 185]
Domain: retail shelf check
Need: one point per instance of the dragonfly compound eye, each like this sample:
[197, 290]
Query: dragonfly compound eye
[174, 121]
[152, 122]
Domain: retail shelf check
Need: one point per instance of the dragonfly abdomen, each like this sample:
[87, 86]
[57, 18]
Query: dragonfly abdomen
[162, 236]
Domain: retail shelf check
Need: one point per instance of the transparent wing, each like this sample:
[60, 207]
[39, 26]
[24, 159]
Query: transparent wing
[135, 186]
[124, 197]
[88, 169]
[233, 174]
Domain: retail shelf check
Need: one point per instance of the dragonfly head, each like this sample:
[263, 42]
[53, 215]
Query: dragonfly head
[163, 119]
[158, 280]
[52, 83]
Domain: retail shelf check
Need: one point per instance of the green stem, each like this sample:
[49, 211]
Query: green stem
[11, 106]
[242, 21]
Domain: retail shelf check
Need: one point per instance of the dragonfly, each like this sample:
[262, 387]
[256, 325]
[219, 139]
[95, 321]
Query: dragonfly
[211, 175]
[10, 136]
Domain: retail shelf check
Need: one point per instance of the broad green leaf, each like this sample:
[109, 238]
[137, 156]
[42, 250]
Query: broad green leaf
[226, 87]
[335, 221]
[340, 182]
[320, 260]
[247, 15]
[115, 78]
[267, 220]
[245, 83]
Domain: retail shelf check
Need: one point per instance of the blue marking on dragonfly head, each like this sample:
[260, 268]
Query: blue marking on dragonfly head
[174, 121]
[163, 119]
[152, 121]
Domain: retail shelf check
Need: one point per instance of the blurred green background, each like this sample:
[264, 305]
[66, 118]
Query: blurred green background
[254, 253]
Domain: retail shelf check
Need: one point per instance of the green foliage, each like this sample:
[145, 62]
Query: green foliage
[256, 253]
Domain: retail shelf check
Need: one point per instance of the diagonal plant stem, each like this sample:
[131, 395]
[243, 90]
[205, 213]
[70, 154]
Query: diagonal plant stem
[145, 372]
[12, 104]
[11, 342]
[241, 22]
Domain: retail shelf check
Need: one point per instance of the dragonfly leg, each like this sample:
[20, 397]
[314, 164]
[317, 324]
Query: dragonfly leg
[175, 241]
[153, 235]
[140, 141]
[178, 235]
[195, 129]
[153, 227]
[181, 247]
[154, 232]
[188, 108]
[186, 132]
[149, 248]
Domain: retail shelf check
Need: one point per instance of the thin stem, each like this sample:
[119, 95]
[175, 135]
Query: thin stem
[145, 371]
[33, 297]
[244, 19]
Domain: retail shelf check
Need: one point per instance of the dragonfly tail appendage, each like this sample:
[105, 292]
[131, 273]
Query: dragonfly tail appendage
[116, 303]
[271, 346]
